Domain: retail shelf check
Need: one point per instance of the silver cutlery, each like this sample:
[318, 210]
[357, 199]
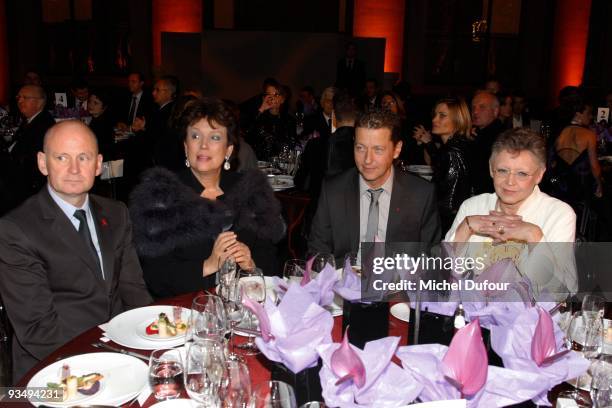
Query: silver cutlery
[120, 350]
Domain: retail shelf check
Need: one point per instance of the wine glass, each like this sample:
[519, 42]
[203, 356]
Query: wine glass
[601, 385]
[253, 285]
[227, 273]
[165, 373]
[294, 270]
[205, 372]
[236, 389]
[355, 262]
[232, 299]
[273, 394]
[584, 335]
[322, 259]
[594, 304]
[208, 318]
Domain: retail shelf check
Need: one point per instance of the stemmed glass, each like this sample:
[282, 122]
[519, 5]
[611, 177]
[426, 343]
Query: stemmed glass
[354, 261]
[205, 372]
[273, 394]
[253, 285]
[232, 299]
[294, 270]
[236, 389]
[322, 259]
[584, 335]
[165, 373]
[208, 318]
[594, 304]
[227, 274]
[601, 385]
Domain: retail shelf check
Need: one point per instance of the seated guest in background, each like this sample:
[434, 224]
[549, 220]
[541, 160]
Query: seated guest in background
[520, 115]
[102, 122]
[79, 93]
[28, 140]
[319, 125]
[451, 160]
[485, 110]
[307, 103]
[411, 152]
[505, 109]
[187, 224]
[138, 104]
[370, 98]
[493, 86]
[519, 212]
[249, 109]
[274, 129]
[329, 156]
[243, 157]
[66, 257]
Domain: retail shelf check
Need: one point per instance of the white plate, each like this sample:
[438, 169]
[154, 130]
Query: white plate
[401, 311]
[124, 377]
[176, 403]
[421, 169]
[281, 182]
[263, 164]
[123, 328]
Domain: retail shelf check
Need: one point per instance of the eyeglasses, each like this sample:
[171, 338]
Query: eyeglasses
[272, 94]
[505, 173]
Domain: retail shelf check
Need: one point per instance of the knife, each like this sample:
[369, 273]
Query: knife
[120, 350]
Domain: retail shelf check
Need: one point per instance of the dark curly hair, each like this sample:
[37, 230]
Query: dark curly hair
[215, 111]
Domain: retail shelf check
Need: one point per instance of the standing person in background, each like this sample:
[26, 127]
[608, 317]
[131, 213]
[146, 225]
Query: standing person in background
[138, 104]
[350, 71]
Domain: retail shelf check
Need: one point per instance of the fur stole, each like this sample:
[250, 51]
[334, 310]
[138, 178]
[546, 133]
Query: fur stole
[168, 214]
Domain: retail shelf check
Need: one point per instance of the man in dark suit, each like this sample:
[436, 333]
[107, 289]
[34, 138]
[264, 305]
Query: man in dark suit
[373, 202]
[139, 104]
[350, 71]
[28, 140]
[485, 113]
[66, 257]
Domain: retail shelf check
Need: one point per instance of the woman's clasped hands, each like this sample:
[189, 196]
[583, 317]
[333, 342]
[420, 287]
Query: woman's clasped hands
[503, 227]
[227, 246]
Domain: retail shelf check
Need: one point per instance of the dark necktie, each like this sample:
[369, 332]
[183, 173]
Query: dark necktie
[329, 125]
[372, 226]
[86, 236]
[132, 110]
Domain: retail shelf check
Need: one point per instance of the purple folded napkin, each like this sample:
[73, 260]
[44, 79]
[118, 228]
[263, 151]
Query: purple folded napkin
[321, 288]
[297, 326]
[349, 286]
[262, 316]
[386, 384]
[503, 386]
[307, 271]
[534, 344]
[466, 362]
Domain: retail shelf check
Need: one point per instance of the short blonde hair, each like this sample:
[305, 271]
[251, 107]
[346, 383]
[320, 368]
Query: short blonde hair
[459, 114]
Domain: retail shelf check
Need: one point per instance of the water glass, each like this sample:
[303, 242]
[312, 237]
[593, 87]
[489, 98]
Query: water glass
[208, 318]
[236, 389]
[165, 373]
[253, 285]
[227, 273]
[273, 394]
[586, 333]
[594, 303]
[601, 385]
[205, 372]
[234, 309]
[294, 270]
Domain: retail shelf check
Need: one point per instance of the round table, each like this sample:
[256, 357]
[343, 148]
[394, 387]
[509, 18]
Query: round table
[259, 366]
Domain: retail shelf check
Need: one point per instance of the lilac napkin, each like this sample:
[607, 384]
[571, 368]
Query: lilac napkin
[297, 326]
[349, 286]
[503, 386]
[386, 385]
[515, 343]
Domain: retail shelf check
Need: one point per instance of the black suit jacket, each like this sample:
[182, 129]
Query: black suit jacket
[29, 141]
[353, 79]
[145, 107]
[335, 228]
[51, 285]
